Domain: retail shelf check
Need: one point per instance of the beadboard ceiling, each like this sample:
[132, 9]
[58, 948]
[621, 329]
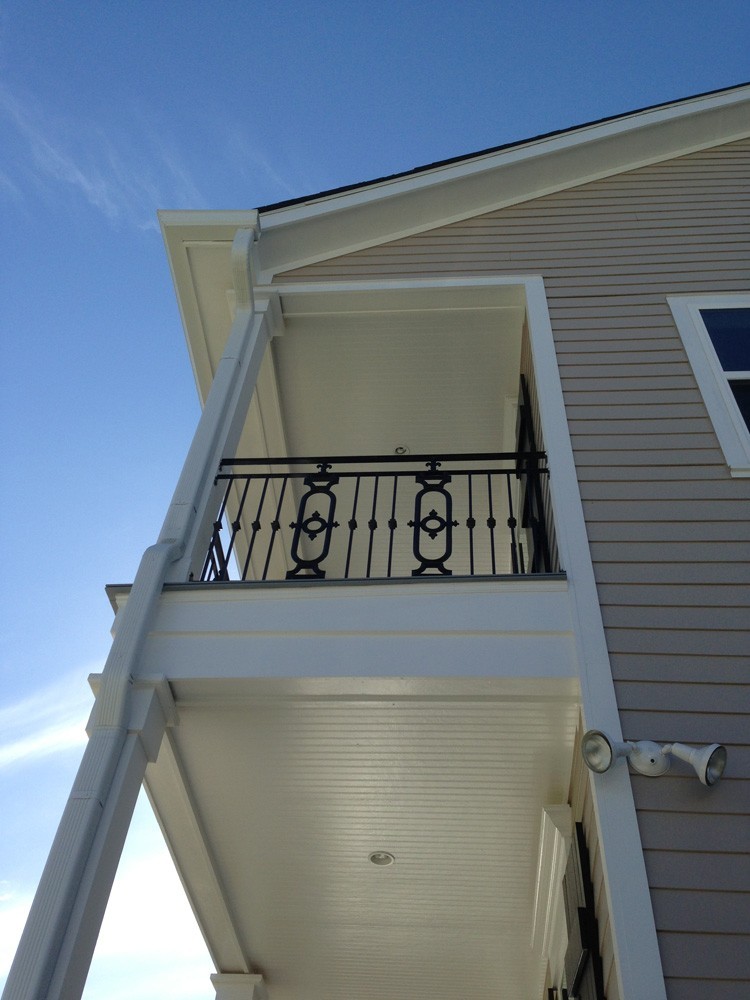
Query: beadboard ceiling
[292, 795]
[434, 382]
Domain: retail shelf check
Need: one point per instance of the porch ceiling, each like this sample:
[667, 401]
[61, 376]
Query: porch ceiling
[434, 381]
[292, 793]
[359, 372]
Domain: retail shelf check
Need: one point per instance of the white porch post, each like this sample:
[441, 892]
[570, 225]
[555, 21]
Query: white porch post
[58, 941]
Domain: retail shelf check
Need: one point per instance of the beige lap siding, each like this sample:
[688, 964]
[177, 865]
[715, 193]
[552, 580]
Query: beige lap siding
[667, 525]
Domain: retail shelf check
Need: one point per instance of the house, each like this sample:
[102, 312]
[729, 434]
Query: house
[472, 477]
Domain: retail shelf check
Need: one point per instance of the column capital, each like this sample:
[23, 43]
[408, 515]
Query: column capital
[239, 986]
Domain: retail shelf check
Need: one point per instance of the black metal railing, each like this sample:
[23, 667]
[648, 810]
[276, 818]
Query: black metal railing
[381, 517]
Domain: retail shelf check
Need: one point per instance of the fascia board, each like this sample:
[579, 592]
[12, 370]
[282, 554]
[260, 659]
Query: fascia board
[381, 212]
[179, 230]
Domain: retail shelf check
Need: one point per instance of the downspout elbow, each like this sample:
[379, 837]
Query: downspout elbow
[111, 710]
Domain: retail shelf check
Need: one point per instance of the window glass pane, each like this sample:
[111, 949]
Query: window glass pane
[729, 330]
[741, 392]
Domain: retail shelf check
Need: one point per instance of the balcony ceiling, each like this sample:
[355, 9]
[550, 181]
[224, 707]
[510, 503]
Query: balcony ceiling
[362, 373]
[292, 792]
[433, 381]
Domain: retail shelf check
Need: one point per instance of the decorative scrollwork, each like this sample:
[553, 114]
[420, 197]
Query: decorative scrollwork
[433, 524]
[316, 527]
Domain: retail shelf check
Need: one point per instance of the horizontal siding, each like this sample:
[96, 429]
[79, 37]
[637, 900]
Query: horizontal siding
[697, 869]
[683, 794]
[667, 525]
[669, 668]
[673, 595]
[717, 912]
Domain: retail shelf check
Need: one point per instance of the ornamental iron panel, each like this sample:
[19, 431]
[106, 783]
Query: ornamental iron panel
[381, 517]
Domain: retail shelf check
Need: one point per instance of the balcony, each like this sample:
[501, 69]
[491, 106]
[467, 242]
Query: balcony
[381, 517]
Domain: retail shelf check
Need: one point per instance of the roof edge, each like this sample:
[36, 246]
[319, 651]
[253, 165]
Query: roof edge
[504, 147]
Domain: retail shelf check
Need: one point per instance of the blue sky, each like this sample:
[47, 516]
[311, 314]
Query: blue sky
[109, 111]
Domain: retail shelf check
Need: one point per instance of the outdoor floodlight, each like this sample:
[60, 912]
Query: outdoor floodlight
[600, 752]
[708, 762]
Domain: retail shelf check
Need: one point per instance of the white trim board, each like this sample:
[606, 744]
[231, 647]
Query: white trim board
[725, 415]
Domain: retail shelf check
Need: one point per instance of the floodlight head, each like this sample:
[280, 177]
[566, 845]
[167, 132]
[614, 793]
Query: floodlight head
[708, 762]
[600, 751]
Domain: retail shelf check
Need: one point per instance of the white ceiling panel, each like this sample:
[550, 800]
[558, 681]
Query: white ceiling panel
[294, 795]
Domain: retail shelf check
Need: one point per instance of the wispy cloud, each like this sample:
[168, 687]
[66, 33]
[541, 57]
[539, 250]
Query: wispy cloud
[48, 722]
[149, 945]
[11, 189]
[124, 176]
[155, 950]
[13, 912]
[248, 157]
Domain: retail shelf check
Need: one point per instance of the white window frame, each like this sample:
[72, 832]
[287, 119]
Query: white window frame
[713, 380]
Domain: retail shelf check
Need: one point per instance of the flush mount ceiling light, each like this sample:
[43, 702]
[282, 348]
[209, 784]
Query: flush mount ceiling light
[381, 858]
[401, 449]
[600, 752]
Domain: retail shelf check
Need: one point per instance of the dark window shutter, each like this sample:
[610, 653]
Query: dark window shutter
[583, 964]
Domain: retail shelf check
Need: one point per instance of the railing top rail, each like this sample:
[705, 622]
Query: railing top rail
[497, 456]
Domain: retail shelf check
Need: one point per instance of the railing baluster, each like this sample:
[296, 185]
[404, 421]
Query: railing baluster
[275, 525]
[352, 525]
[256, 526]
[372, 524]
[471, 524]
[236, 524]
[512, 526]
[211, 566]
[491, 522]
[392, 525]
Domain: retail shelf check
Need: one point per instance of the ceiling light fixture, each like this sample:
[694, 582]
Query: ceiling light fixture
[381, 858]
[600, 752]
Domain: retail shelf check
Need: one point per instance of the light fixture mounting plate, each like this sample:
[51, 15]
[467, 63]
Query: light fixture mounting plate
[648, 758]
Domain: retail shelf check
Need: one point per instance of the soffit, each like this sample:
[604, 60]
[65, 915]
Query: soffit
[292, 795]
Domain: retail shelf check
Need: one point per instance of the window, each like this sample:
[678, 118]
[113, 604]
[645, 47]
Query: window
[729, 330]
[715, 330]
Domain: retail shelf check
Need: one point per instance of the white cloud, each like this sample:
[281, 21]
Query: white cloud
[125, 177]
[149, 941]
[149, 946]
[51, 721]
[13, 912]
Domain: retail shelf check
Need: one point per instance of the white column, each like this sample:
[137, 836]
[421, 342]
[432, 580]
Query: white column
[239, 986]
[57, 944]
